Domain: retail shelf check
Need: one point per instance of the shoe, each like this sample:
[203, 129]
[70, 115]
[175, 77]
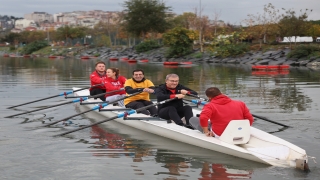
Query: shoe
[189, 126]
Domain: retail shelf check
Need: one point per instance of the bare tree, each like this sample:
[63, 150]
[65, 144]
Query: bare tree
[216, 17]
[269, 17]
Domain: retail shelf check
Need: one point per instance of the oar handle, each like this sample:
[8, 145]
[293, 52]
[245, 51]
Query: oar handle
[198, 97]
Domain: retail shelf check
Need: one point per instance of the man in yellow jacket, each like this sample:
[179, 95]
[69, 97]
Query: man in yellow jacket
[136, 84]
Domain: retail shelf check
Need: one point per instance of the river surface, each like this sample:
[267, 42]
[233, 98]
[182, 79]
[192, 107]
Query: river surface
[29, 151]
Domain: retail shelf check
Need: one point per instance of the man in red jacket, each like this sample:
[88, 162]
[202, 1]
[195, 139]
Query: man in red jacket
[98, 77]
[220, 110]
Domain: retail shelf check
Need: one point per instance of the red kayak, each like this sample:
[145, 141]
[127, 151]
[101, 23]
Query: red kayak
[113, 59]
[132, 61]
[177, 63]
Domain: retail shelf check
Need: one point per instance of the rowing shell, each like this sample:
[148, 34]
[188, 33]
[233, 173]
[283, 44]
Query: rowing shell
[262, 147]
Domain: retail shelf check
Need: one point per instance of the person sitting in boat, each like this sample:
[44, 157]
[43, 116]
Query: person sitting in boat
[139, 83]
[98, 77]
[220, 110]
[114, 82]
[174, 110]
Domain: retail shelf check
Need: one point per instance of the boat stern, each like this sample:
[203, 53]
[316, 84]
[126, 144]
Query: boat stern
[302, 164]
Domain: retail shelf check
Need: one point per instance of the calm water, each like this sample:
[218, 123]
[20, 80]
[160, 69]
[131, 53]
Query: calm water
[28, 151]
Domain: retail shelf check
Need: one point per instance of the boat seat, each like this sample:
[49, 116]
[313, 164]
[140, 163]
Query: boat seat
[237, 132]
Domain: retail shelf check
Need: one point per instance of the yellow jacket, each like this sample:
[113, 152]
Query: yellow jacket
[146, 83]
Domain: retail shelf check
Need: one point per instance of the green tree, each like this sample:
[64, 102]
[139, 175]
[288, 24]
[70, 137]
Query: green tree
[185, 20]
[144, 16]
[102, 40]
[69, 33]
[11, 37]
[179, 41]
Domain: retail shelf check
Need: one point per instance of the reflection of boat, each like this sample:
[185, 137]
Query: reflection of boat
[270, 73]
[218, 171]
[270, 67]
[262, 147]
[172, 154]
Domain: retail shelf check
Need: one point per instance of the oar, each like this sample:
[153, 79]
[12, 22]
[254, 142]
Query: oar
[118, 116]
[61, 94]
[203, 103]
[92, 109]
[69, 102]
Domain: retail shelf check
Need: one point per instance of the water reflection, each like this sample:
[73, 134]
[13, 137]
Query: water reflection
[176, 166]
[218, 171]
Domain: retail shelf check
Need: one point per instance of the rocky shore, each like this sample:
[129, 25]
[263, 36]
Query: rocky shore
[271, 57]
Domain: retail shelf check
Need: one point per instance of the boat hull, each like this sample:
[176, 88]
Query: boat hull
[262, 147]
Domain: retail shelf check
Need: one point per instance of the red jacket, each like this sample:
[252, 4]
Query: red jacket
[96, 78]
[221, 110]
[114, 84]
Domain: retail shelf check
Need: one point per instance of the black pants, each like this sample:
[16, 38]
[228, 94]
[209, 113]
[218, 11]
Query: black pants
[176, 114]
[142, 103]
[98, 91]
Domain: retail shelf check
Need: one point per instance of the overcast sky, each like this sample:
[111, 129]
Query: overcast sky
[231, 11]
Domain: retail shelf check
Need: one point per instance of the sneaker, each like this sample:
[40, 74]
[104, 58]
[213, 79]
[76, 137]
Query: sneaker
[189, 126]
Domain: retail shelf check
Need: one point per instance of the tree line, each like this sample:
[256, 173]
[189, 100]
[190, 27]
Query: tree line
[152, 19]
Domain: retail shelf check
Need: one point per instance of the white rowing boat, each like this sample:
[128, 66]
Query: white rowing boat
[261, 146]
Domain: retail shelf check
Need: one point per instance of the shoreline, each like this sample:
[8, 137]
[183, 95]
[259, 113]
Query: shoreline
[271, 57]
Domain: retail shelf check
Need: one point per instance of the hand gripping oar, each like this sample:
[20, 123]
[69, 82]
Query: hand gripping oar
[203, 103]
[61, 94]
[92, 109]
[69, 102]
[118, 116]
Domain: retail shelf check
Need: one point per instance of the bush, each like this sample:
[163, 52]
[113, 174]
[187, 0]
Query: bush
[179, 41]
[34, 46]
[304, 51]
[231, 49]
[147, 46]
[12, 48]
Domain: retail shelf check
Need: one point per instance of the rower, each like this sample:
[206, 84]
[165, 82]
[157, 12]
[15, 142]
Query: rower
[220, 110]
[175, 110]
[97, 77]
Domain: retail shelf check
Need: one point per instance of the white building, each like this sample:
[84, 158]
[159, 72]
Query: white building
[23, 23]
[297, 39]
[39, 17]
